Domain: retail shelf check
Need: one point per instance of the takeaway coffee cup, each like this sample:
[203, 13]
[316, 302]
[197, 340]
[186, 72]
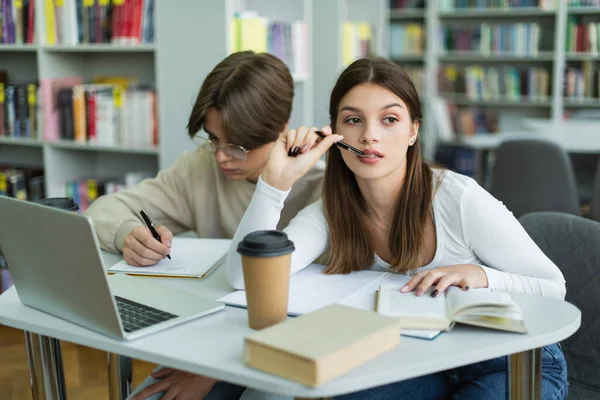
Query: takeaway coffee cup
[64, 203]
[266, 258]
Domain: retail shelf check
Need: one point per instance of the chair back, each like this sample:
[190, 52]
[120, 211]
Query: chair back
[573, 244]
[595, 204]
[534, 175]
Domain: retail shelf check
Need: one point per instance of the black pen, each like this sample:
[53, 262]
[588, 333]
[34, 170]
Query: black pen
[151, 227]
[344, 146]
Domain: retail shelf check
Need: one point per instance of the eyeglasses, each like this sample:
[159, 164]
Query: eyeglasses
[230, 150]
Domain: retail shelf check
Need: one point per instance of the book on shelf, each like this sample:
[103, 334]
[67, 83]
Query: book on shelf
[407, 39]
[111, 111]
[458, 159]
[23, 183]
[583, 3]
[480, 308]
[5, 279]
[582, 37]
[358, 40]
[451, 5]
[581, 83]
[477, 82]
[317, 347]
[288, 41]
[19, 108]
[417, 75]
[17, 22]
[85, 190]
[119, 22]
[521, 39]
[407, 4]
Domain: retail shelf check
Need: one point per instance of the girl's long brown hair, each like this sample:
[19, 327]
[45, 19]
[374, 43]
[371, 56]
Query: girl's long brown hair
[343, 202]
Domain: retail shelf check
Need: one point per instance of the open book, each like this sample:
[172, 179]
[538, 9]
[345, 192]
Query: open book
[480, 308]
[311, 289]
[190, 258]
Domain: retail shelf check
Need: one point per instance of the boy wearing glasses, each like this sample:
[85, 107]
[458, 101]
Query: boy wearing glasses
[243, 105]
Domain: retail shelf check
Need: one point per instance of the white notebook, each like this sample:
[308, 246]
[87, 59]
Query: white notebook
[190, 258]
[310, 290]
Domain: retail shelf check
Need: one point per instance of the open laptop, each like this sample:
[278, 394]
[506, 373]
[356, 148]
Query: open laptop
[57, 267]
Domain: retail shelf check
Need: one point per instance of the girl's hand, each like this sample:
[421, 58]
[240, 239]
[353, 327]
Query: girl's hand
[294, 154]
[464, 275]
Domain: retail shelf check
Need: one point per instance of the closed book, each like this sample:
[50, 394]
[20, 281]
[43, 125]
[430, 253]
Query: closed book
[320, 346]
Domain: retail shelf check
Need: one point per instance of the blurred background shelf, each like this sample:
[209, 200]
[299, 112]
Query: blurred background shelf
[100, 48]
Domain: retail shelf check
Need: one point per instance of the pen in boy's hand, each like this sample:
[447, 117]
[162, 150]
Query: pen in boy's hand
[150, 225]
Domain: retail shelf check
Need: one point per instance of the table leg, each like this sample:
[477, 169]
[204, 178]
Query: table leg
[525, 375]
[46, 374]
[120, 371]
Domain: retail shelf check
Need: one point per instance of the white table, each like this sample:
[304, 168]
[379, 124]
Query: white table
[213, 345]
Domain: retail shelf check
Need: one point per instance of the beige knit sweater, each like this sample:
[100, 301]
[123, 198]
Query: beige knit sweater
[191, 195]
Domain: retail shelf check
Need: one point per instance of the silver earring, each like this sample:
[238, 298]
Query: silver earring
[412, 142]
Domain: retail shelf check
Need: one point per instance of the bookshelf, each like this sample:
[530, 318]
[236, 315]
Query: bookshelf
[461, 41]
[568, 52]
[185, 47]
[329, 18]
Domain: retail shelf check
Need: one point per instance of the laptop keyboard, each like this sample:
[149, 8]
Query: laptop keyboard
[137, 316]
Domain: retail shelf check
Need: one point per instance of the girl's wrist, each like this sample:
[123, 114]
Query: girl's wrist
[276, 180]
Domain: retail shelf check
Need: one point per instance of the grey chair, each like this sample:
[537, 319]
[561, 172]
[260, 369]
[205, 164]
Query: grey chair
[534, 175]
[573, 244]
[595, 203]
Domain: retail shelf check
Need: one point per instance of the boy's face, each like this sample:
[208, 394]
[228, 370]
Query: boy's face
[235, 169]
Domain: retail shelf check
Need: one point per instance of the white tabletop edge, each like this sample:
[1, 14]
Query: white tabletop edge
[352, 381]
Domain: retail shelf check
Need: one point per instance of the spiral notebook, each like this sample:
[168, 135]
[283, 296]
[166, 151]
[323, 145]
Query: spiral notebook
[310, 290]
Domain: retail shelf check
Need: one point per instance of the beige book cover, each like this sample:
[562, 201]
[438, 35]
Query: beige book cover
[320, 346]
[474, 307]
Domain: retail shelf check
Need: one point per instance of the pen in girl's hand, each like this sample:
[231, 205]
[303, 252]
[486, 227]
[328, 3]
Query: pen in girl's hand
[344, 146]
[150, 225]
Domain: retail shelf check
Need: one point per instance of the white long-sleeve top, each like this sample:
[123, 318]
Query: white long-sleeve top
[472, 227]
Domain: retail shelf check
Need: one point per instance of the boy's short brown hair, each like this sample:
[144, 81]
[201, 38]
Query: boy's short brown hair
[254, 93]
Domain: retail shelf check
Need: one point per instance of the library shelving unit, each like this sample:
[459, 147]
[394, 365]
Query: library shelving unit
[569, 50]
[528, 60]
[190, 38]
[582, 59]
[64, 160]
[329, 18]
[409, 40]
[191, 43]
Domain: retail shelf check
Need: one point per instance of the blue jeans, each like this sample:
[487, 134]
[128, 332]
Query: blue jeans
[482, 380]
[225, 391]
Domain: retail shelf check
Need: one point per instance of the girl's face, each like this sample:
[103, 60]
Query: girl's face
[235, 169]
[378, 122]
